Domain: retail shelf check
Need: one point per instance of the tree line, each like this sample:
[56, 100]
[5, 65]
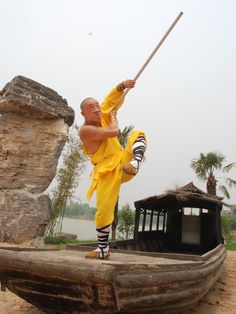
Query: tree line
[80, 210]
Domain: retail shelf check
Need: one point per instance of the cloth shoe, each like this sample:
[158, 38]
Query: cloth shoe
[98, 254]
[130, 169]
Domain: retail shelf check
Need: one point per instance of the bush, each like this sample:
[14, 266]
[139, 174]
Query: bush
[232, 222]
[231, 246]
[226, 228]
[126, 219]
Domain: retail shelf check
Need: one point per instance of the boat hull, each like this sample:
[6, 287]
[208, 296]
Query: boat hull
[66, 282]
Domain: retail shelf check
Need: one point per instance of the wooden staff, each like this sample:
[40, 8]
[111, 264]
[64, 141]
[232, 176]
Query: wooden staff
[150, 57]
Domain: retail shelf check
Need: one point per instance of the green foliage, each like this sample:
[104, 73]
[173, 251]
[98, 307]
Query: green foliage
[226, 229]
[232, 222]
[231, 246]
[126, 220]
[67, 179]
[208, 165]
[61, 240]
[124, 135]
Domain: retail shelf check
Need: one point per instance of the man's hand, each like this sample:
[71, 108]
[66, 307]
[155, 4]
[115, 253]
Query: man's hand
[125, 84]
[129, 83]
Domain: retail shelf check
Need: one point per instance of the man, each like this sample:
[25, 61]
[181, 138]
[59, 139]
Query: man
[112, 165]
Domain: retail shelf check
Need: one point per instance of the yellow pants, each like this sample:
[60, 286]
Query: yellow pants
[108, 185]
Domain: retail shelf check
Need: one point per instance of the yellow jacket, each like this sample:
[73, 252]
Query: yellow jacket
[109, 153]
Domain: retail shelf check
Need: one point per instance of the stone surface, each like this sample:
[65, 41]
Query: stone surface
[65, 235]
[34, 126]
[23, 215]
[34, 100]
[29, 151]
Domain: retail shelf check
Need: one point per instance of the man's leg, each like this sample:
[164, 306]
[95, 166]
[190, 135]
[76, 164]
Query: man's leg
[138, 148]
[107, 192]
[102, 251]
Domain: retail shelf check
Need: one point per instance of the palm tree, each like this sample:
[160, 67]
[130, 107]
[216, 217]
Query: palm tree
[208, 166]
[123, 138]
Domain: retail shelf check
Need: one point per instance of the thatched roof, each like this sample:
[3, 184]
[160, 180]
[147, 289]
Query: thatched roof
[187, 196]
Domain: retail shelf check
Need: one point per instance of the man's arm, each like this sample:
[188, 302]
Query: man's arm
[112, 98]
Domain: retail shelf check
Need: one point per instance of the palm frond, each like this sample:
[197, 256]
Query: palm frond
[198, 166]
[214, 160]
[230, 182]
[207, 164]
[124, 135]
[224, 190]
[229, 167]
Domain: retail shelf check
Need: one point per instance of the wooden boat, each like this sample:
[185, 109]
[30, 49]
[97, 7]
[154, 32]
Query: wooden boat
[167, 267]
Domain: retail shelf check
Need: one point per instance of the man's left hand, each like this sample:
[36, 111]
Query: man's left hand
[129, 83]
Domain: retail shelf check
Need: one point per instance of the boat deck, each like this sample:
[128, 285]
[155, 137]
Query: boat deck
[77, 257]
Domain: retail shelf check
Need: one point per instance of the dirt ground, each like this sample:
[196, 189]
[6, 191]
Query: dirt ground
[221, 299]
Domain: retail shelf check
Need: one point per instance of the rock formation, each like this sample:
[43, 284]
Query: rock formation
[34, 125]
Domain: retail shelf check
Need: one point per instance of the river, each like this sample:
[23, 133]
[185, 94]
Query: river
[85, 229]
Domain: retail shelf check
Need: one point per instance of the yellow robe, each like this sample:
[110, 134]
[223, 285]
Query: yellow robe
[108, 161]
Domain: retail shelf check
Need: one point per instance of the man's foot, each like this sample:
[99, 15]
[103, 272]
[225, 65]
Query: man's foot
[130, 169]
[98, 254]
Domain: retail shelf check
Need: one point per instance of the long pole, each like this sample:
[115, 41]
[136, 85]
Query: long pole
[151, 56]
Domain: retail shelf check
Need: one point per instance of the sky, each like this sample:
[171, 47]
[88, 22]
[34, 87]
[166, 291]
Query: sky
[185, 100]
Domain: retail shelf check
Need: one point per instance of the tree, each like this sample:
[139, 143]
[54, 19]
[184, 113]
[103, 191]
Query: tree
[67, 180]
[207, 168]
[126, 221]
[123, 139]
[226, 228]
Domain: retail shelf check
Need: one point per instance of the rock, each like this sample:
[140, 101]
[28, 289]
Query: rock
[29, 151]
[67, 236]
[34, 126]
[23, 215]
[36, 101]
[38, 242]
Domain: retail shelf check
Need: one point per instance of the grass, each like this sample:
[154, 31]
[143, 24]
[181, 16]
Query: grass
[231, 246]
[61, 240]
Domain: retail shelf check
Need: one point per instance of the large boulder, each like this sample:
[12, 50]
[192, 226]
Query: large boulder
[34, 126]
[24, 216]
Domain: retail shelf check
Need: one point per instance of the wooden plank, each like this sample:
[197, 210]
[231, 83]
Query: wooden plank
[155, 300]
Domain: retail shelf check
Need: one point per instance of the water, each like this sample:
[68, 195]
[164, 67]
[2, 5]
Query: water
[85, 229]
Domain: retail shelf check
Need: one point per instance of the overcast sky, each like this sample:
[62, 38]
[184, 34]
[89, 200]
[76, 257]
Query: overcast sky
[185, 100]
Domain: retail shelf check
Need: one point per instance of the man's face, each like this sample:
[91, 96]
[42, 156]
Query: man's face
[91, 111]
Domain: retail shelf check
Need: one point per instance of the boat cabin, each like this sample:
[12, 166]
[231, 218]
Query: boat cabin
[186, 221]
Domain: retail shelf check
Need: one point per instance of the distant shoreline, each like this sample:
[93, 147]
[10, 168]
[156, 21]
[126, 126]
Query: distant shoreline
[80, 217]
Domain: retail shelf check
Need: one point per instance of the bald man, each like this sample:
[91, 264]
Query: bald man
[112, 164]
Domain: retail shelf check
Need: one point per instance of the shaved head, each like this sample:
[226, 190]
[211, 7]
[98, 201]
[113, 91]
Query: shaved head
[91, 111]
[84, 102]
